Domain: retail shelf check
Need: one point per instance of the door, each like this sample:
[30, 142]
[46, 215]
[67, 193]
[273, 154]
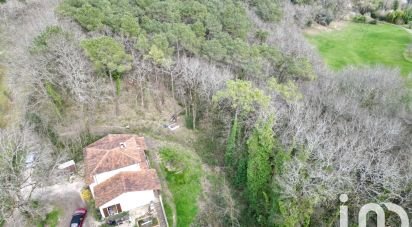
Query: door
[105, 212]
[119, 208]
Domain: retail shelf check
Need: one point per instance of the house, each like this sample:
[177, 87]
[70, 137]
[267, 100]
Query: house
[118, 174]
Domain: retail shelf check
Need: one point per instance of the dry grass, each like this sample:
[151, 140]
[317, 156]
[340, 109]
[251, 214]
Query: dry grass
[4, 100]
[334, 26]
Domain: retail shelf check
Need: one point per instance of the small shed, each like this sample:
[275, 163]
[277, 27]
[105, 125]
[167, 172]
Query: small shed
[69, 166]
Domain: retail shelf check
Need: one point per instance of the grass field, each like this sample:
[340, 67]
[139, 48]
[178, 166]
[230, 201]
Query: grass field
[364, 44]
[183, 172]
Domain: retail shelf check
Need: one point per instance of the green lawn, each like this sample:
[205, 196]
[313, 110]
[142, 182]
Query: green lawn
[364, 44]
[183, 172]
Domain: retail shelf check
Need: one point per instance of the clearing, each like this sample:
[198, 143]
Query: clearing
[364, 44]
[62, 200]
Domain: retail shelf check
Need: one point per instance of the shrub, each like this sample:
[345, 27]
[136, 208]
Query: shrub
[95, 212]
[86, 195]
[373, 22]
[261, 35]
[52, 219]
[267, 10]
[323, 19]
[407, 15]
[396, 17]
[359, 19]
[40, 42]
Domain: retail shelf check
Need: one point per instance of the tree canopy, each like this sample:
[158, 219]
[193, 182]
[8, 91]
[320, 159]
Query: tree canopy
[242, 96]
[107, 55]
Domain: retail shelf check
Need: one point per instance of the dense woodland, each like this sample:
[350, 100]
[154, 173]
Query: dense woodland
[287, 134]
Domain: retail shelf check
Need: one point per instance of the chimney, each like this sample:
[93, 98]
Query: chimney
[122, 145]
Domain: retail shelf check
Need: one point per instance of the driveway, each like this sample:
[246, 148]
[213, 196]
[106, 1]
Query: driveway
[65, 197]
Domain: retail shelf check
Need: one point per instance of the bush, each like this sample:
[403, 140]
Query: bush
[51, 220]
[86, 195]
[395, 17]
[262, 36]
[267, 10]
[407, 15]
[373, 22]
[323, 19]
[359, 19]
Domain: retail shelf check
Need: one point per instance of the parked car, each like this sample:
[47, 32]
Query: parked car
[78, 217]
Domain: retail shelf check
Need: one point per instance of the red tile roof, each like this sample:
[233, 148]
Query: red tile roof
[113, 152]
[126, 182]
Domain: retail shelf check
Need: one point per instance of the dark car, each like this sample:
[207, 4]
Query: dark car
[78, 217]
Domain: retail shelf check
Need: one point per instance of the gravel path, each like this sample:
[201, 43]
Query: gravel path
[65, 197]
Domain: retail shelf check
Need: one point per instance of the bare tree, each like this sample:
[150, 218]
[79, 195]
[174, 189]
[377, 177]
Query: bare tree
[217, 205]
[354, 138]
[26, 164]
[197, 83]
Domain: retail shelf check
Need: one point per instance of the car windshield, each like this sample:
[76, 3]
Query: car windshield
[75, 220]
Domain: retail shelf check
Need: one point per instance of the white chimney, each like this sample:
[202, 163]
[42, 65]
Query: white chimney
[122, 145]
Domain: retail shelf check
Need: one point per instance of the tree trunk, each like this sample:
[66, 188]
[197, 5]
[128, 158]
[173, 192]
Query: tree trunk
[116, 98]
[173, 85]
[194, 115]
[142, 94]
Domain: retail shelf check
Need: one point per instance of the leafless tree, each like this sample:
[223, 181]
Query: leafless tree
[64, 65]
[139, 76]
[26, 163]
[217, 205]
[20, 23]
[354, 138]
[197, 83]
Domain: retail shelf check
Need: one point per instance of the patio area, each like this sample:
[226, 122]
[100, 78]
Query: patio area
[151, 215]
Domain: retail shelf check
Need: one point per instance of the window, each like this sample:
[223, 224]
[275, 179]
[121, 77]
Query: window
[112, 210]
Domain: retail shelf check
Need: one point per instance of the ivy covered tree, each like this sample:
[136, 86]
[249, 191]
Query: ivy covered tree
[242, 97]
[260, 147]
[231, 143]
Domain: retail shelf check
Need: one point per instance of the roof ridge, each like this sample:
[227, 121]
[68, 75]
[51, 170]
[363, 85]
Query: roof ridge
[101, 160]
[137, 148]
